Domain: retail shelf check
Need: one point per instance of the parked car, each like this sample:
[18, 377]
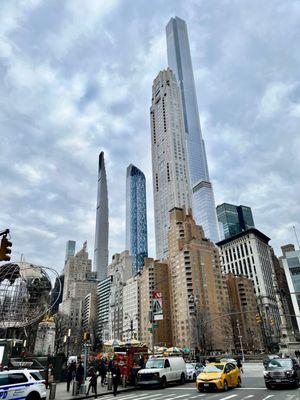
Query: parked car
[193, 370]
[219, 376]
[268, 358]
[22, 384]
[161, 371]
[282, 371]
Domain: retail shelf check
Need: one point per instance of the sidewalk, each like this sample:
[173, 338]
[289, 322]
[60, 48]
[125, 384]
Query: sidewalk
[62, 394]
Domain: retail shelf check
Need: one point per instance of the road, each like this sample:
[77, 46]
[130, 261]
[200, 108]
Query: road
[253, 388]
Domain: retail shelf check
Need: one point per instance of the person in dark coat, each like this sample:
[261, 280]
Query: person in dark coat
[116, 377]
[80, 374]
[239, 364]
[103, 371]
[69, 377]
[93, 382]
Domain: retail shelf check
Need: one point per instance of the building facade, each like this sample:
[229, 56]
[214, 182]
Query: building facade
[136, 216]
[180, 62]
[249, 254]
[120, 270]
[45, 338]
[70, 249]
[103, 296]
[199, 297]
[79, 281]
[234, 219]
[244, 308]
[131, 309]
[101, 232]
[169, 156]
[89, 312]
[154, 278]
[291, 264]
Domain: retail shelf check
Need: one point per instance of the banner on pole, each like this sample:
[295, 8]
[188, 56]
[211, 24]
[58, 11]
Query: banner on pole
[157, 306]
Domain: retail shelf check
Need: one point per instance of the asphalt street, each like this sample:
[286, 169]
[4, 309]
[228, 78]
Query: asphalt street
[253, 388]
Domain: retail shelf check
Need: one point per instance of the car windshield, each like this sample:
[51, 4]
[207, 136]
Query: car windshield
[213, 368]
[190, 366]
[155, 363]
[36, 375]
[279, 363]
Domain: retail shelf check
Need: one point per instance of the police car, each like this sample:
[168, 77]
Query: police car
[22, 384]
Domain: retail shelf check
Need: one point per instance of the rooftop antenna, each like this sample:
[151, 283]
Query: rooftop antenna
[297, 240]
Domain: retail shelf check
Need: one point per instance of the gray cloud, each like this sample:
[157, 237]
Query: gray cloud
[76, 79]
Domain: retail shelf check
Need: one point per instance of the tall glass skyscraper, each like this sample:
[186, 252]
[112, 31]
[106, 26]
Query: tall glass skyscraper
[101, 233]
[234, 219]
[136, 216]
[180, 62]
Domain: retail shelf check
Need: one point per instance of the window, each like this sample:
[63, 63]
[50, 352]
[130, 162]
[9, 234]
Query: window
[3, 379]
[167, 364]
[16, 378]
[36, 376]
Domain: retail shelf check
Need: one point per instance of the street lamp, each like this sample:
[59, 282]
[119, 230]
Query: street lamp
[68, 342]
[241, 342]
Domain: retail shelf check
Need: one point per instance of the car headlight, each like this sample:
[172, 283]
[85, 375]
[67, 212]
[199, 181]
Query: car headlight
[266, 373]
[289, 373]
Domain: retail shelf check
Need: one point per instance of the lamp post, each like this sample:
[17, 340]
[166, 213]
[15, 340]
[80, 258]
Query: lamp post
[241, 342]
[68, 342]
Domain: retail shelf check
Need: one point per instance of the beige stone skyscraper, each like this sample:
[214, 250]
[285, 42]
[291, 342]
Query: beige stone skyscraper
[198, 288]
[171, 186]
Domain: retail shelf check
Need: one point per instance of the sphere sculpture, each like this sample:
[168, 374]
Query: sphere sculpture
[25, 291]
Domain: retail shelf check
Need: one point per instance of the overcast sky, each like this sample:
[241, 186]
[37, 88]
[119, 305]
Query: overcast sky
[75, 79]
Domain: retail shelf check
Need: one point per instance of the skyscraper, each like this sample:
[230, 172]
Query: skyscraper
[180, 62]
[169, 166]
[70, 249]
[234, 219]
[101, 233]
[136, 216]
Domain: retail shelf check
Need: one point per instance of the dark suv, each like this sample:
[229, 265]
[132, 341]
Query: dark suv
[282, 371]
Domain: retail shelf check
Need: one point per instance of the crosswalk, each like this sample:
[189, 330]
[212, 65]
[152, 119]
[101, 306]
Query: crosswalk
[173, 394]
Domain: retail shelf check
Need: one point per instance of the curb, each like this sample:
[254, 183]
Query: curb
[92, 396]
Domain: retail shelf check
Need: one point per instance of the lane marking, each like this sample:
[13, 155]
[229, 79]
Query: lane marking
[248, 397]
[136, 396]
[268, 397]
[229, 397]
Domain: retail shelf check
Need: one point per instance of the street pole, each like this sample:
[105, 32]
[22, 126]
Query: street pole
[85, 360]
[241, 342]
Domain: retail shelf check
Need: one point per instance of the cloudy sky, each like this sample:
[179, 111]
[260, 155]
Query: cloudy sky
[75, 79]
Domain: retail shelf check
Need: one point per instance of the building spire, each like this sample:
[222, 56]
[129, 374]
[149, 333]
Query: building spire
[101, 233]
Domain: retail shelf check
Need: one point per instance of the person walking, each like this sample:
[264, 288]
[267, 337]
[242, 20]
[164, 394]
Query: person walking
[93, 382]
[69, 377]
[239, 365]
[116, 377]
[80, 375]
[103, 371]
[49, 376]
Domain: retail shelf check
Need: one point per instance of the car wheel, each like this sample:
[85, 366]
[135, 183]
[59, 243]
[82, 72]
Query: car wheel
[225, 386]
[33, 396]
[200, 389]
[239, 382]
[182, 379]
[163, 384]
[269, 386]
[194, 378]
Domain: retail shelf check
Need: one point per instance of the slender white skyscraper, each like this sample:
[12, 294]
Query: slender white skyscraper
[169, 165]
[101, 233]
[180, 62]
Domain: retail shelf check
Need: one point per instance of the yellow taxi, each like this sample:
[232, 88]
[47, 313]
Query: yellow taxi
[219, 376]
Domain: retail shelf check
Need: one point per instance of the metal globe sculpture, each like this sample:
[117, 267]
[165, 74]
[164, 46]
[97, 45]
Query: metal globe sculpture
[25, 291]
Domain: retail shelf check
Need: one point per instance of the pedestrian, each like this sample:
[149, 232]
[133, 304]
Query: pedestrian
[93, 382]
[116, 377]
[103, 371]
[69, 377]
[49, 376]
[80, 374]
[239, 365]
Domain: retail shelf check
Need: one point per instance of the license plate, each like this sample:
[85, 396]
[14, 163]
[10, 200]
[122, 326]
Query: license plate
[277, 380]
[206, 384]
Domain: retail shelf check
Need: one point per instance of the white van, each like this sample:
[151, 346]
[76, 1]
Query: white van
[162, 370]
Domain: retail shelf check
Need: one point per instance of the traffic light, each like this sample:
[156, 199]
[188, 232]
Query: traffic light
[86, 336]
[5, 249]
[258, 319]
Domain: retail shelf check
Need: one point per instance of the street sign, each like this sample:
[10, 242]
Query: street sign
[150, 330]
